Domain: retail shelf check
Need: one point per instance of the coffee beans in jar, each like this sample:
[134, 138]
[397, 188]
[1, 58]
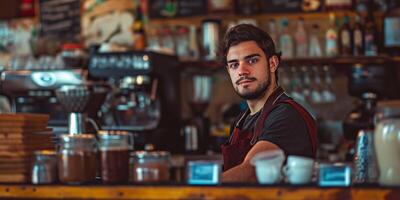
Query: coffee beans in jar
[150, 166]
[114, 156]
[77, 162]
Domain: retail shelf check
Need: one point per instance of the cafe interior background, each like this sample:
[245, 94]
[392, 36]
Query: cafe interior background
[180, 99]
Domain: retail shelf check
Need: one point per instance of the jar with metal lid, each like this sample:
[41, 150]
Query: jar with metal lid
[77, 161]
[114, 149]
[150, 166]
[387, 142]
[73, 55]
[44, 168]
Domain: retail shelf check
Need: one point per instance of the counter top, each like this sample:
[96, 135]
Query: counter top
[194, 192]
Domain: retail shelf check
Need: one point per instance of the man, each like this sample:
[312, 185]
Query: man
[273, 120]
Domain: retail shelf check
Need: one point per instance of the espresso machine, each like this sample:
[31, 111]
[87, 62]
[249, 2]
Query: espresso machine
[368, 83]
[144, 98]
[33, 91]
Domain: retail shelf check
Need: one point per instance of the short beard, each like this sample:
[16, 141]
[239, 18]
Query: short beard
[260, 91]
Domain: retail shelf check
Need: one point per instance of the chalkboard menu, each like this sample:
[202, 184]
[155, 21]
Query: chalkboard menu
[270, 6]
[60, 18]
[281, 5]
[177, 8]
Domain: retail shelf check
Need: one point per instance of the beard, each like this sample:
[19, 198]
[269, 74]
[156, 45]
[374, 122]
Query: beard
[260, 90]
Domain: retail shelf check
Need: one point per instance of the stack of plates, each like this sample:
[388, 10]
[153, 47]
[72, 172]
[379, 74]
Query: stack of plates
[20, 136]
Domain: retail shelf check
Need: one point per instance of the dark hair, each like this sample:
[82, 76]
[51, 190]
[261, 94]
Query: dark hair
[248, 32]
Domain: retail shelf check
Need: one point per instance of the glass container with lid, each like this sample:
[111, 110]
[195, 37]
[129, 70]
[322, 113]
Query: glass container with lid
[44, 168]
[73, 55]
[387, 142]
[114, 155]
[77, 161]
[150, 166]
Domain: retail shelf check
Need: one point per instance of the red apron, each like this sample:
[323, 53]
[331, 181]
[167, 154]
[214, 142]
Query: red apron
[243, 140]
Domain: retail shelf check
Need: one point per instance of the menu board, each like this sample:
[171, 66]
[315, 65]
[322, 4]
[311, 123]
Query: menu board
[177, 8]
[190, 7]
[60, 18]
[281, 5]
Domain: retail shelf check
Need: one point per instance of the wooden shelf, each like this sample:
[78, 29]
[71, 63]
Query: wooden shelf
[298, 62]
[339, 61]
[196, 20]
[194, 192]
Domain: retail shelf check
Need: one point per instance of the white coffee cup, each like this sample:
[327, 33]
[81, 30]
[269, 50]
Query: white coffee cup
[268, 165]
[298, 169]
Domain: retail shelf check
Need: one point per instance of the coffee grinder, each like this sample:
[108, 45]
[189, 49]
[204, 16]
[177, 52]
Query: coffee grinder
[78, 100]
[197, 130]
[144, 97]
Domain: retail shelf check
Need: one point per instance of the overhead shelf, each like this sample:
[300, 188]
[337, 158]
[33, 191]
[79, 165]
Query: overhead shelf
[335, 61]
[196, 20]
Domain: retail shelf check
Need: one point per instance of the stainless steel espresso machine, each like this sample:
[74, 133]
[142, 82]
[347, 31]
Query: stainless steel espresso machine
[67, 95]
[144, 97]
[33, 91]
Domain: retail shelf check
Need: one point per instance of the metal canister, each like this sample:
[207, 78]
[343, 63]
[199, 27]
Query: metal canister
[211, 37]
[44, 169]
[365, 163]
[150, 166]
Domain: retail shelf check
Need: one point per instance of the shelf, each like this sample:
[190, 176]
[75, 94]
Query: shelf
[340, 61]
[193, 192]
[196, 20]
[298, 62]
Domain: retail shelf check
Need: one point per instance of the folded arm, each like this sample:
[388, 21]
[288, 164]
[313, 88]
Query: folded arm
[245, 172]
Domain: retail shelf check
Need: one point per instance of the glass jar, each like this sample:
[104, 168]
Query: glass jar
[114, 155]
[44, 168]
[150, 166]
[387, 142]
[77, 159]
[73, 55]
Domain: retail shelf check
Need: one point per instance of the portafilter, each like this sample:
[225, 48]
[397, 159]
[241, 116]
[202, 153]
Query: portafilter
[77, 100]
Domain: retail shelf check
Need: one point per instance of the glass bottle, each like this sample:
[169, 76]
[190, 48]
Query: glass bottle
[285, 40]
[331, 38]
[167, 40]
[138, 30]
[370, 36]
[301, 39]
[358, 37]
[316, 89]
[182, 42]
[345, 37]
[273, 32]
[328, 94]
[193, 43]
[315, 45]
[306, 82]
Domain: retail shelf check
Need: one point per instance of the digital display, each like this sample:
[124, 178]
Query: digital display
[204, 173]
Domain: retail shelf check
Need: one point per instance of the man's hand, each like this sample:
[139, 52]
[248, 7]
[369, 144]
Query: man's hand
[245, 172]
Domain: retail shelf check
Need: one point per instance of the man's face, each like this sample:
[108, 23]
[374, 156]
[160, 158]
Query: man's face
[248, 69]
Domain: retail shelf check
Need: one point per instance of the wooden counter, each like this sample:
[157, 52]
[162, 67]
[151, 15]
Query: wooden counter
[194, 192]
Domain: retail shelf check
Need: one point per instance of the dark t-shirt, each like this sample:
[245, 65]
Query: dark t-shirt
[285, 127]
